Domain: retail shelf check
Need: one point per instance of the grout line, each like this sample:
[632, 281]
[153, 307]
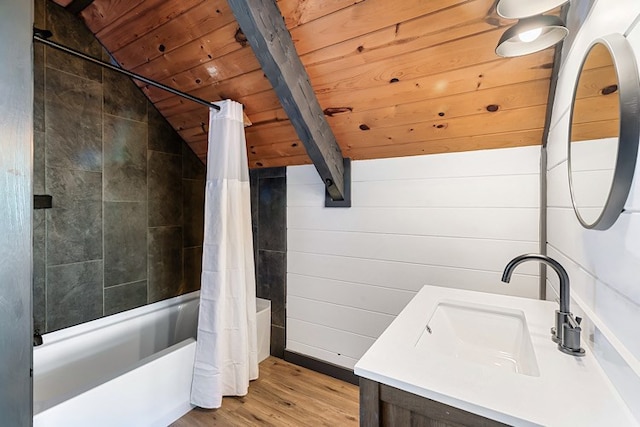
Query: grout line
[162, 152]
[102, 116]
[148, 230]
[123, 118]
[44, 149]
[74, 263]
[124, 284]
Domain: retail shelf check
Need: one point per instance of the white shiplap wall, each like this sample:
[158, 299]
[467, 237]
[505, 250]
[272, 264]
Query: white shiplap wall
[604, 266]
[450, 219]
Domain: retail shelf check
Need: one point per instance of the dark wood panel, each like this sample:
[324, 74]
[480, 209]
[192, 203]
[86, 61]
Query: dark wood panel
[397, 407]
[434, 410]
[369, 402]
[393, 415]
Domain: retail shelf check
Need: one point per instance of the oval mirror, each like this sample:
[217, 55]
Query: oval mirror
[604, 132]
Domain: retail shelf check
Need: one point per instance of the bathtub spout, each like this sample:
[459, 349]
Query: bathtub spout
[37, 338]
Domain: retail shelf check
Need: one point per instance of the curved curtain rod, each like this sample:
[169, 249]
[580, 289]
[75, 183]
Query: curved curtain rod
[42, 36]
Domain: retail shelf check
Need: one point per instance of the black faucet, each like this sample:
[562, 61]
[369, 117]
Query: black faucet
[37, 338]
[567, 330]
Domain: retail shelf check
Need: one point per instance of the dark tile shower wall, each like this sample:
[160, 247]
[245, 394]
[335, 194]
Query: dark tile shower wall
[269, 217]
[128, 194]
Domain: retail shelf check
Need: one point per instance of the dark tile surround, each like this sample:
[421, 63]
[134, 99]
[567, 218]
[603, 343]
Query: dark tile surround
[128, 194]
[269, 216]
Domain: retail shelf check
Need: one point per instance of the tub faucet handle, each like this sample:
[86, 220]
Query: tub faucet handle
[37, 338]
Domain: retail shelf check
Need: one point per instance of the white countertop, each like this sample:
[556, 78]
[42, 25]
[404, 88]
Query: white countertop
[570, 391]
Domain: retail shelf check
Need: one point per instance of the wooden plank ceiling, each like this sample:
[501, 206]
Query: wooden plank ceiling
[394, 78]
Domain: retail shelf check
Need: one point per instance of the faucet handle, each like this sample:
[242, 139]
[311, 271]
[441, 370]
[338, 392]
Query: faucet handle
[570, 338]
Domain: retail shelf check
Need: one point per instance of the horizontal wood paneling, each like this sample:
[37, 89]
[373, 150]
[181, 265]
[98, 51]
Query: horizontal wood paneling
[358, 295]
[176, 33]
[297, 13]
[494, 192]
[452, 220]
[359, 19]
[99, 14]
[408, 276]
[423, 71]
[337, 316]
[480, 223]
[475, 254]
[486, 163]
[334, 340]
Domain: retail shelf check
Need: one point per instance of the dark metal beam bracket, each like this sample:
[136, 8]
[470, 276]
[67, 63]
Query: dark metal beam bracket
[346, 202]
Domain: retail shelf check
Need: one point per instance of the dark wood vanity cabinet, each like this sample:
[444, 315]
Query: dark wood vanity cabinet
[382, 405]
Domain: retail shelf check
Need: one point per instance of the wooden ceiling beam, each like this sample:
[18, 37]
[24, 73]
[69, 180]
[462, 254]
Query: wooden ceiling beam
[263, 25]
[77, 6]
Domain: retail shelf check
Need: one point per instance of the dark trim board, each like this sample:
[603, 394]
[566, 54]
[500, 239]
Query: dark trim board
[551, 97]
[322, 367]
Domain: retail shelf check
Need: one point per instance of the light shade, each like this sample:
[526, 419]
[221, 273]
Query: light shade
[517, 9]
[552, 31]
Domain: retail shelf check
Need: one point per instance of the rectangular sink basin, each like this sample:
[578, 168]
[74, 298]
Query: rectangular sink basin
[482, 334]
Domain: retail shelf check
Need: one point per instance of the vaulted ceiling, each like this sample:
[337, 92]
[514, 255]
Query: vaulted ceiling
[394, 78]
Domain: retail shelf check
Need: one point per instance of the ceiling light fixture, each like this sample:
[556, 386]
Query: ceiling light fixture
[531, 35]
[517, 9]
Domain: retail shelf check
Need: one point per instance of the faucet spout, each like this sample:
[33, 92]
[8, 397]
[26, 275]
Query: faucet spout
[567, 330]
[559, 269]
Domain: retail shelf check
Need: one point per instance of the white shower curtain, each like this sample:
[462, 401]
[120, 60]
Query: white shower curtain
[226, 351]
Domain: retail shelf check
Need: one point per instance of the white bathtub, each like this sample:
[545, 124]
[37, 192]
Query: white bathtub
[130, 369]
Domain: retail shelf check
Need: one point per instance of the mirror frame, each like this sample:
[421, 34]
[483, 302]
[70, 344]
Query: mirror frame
[629, 135]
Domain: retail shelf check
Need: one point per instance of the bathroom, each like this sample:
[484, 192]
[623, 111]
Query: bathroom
[446, 215]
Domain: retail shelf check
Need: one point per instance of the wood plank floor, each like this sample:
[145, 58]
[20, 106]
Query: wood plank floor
[284, 395]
